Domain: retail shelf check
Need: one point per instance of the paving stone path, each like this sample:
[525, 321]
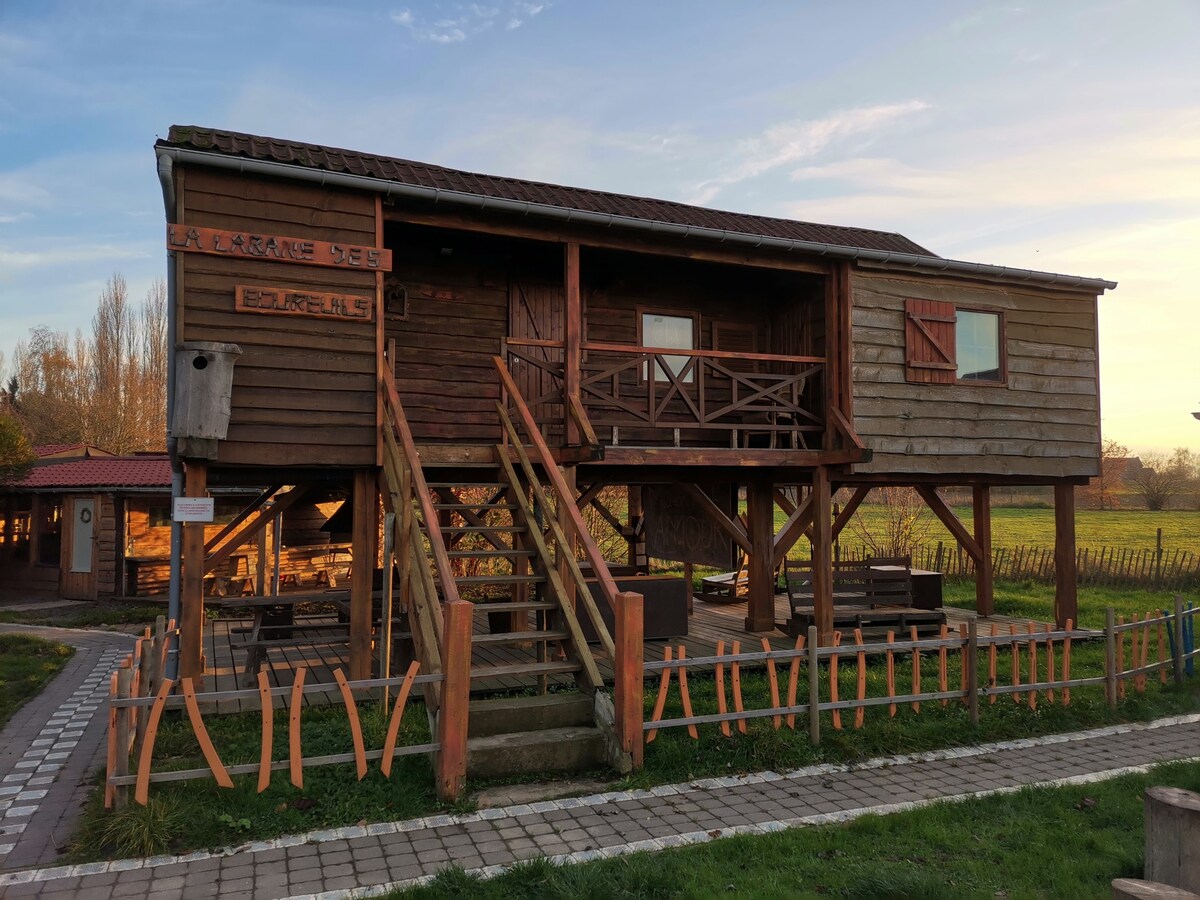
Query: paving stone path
[364, 861]
[49, 747]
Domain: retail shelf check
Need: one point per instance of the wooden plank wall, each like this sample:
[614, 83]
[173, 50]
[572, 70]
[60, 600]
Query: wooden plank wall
[1043, 423]
[457, 319]
[303, 389]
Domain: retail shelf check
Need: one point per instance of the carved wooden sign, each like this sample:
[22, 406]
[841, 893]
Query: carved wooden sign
[275, 248]
[678, 529]
[285, 301]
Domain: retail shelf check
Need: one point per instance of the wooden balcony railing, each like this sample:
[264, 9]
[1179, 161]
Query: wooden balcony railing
[731, 399]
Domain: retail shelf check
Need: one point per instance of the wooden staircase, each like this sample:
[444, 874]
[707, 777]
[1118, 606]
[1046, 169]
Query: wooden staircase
[484, 541]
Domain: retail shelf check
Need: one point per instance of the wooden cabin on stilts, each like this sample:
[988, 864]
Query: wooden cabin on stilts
[472, 360]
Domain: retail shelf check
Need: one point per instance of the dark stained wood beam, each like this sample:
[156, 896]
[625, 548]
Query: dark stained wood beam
[572, 340]
[362, 567]
[1066, 574]
[731, 527]
[760, 580]
[251, 508]
[822, 555]
[191, 603]
[946, 516]
[800, 521]
[252, 524]
[985, 601]
[848, 511]
[590, 493]
[735, 458]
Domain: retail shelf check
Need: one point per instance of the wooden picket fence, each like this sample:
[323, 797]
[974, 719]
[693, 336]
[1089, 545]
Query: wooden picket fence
[141, 693]
[1156, 567]
[1033, 665]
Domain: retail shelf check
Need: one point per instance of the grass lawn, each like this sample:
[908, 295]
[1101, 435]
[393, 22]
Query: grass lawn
[97, 614]
[1067, 842]
[26, 665]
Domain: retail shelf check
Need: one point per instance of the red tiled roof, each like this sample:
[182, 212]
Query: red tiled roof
[100, 472]
[330, 159]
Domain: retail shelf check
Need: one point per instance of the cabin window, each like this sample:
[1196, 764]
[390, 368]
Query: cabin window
[17, 529]
[672, 331]
[49, 531]
[945, 344]
[977, 338]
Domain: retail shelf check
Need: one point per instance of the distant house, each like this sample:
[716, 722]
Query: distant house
[67, 525]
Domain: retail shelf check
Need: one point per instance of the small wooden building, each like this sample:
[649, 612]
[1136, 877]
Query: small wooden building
[400, 325]
[68, 525]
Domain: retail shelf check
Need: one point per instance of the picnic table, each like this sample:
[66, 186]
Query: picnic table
[873, 596]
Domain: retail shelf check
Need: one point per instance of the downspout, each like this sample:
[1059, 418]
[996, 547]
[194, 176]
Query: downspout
[167, 181]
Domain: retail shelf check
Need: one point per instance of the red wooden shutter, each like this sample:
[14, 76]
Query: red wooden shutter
[929, 342]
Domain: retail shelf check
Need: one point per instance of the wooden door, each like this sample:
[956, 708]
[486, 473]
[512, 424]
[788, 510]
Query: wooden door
[79, 547]
[536, 312]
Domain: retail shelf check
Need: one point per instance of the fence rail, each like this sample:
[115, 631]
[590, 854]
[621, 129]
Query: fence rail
[1031, 665]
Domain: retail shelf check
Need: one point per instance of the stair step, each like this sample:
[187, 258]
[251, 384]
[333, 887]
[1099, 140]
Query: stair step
[467, 484]
[516, 637]
[513, 606]
[502, 529]
[508, 715]
[525, 668]
[489, 554]
[473, 506]
[501, 579]
[570, 749]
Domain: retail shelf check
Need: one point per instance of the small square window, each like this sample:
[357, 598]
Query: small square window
[673, 332]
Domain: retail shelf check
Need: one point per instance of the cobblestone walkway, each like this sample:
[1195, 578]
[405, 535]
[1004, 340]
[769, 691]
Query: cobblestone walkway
[370, 860]
[51, 745]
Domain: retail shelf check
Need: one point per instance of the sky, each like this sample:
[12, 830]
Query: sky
[1052, 135]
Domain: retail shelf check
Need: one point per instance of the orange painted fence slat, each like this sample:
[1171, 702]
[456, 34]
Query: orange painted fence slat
[722, 706]
[142, 789]
[389, 743]
[735, 676]
[202, 738]
[295, 755]
[356, 735]
[268, 731]
[861, 712]
[773, 678]
[793, 681]
[661, 701]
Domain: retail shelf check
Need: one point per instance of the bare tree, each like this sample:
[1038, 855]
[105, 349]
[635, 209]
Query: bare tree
[1162, 477]
[900, 523]
[109, 390]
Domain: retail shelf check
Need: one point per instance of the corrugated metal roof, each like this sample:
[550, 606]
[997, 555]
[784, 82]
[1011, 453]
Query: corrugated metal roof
[100, 472]
[331, 159]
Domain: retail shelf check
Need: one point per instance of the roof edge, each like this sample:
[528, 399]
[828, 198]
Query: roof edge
[389, 188]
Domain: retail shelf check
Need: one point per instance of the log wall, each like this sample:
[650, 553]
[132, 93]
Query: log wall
[304, 389]
[1045, 422]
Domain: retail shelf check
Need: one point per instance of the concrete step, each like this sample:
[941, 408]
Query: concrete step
[507, 715]
[571, 749]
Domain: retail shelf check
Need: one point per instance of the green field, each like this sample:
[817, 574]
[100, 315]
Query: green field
[1134, 529]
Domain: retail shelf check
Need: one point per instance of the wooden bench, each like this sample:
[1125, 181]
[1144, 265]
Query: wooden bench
[875, 596]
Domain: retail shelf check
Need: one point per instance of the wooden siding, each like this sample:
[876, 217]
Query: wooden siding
[1043, 423]
[303, 389]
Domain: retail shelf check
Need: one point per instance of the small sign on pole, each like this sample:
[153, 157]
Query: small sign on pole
[193, 509]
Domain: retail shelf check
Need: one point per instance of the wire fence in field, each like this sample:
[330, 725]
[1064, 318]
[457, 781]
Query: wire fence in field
[1155, 567]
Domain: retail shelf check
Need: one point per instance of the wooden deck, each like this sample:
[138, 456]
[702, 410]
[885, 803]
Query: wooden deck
[226, 647]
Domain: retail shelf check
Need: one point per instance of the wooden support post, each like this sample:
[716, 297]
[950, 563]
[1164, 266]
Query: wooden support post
[822, 555]
[628, 674]
[971, 662]
[572, 338]
[456, 699]
[760, 601]
[191, 626]
[985, 601]
[1172, 836]
[365, 525]
[814, 686]
[1066, 575]
[1110, 656]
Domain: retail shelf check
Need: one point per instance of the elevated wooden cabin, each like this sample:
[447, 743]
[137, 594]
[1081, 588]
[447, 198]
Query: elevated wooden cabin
[417, 331]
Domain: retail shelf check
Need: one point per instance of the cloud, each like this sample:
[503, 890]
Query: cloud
[791, 142]
[466, 21]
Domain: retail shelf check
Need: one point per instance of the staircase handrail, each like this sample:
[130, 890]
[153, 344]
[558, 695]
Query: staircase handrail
[608, 587]
[420, 488]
